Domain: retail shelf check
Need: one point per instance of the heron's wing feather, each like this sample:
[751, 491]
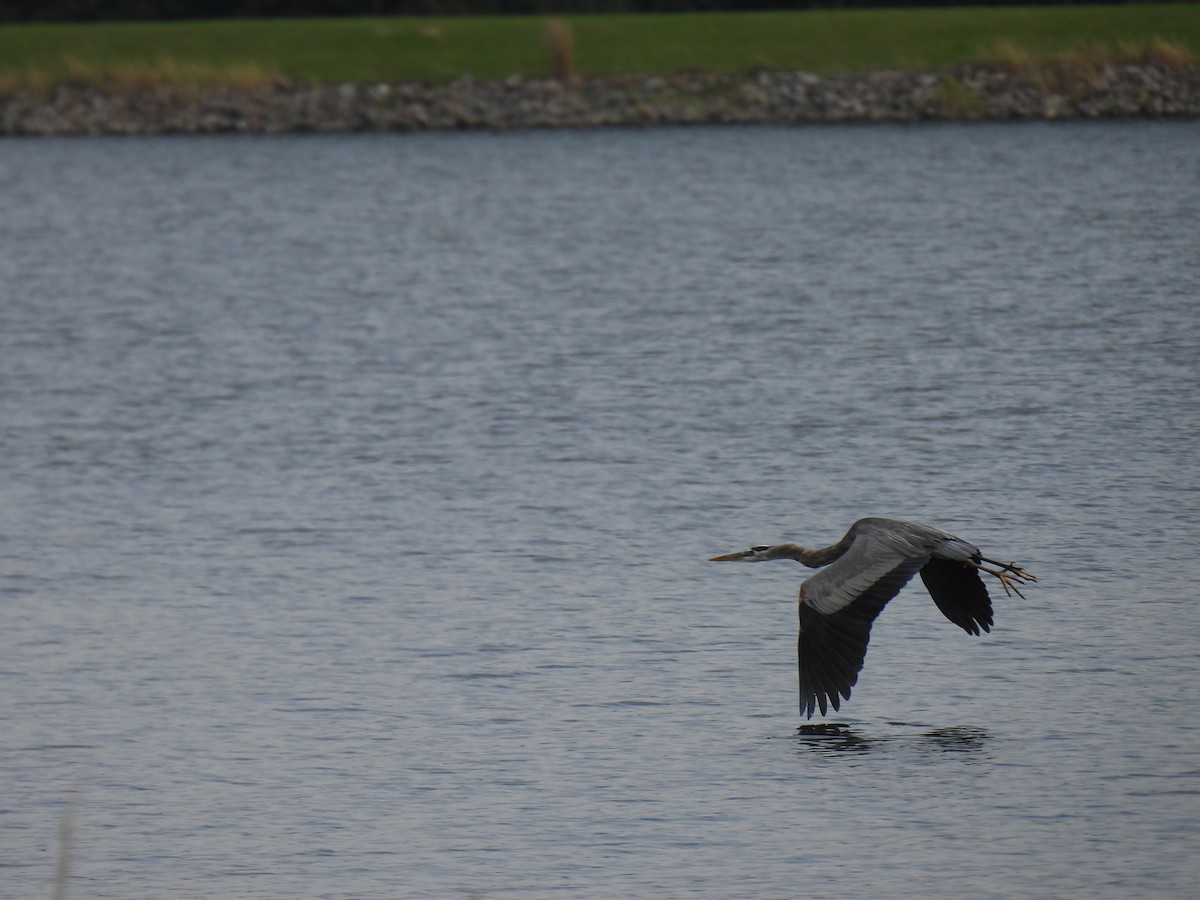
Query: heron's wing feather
[959, 593]
[868, 560]
[837, 608]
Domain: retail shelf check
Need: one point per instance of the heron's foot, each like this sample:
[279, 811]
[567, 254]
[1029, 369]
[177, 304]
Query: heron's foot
[1010, 574]
[1010, 581]
[1017, 572]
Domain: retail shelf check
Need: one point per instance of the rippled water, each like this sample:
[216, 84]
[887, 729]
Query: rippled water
[356, 492]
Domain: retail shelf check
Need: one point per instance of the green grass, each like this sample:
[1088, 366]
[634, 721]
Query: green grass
[436, 50]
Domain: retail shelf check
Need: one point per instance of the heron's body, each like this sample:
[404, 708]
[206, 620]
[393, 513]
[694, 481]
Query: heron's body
[859, 575]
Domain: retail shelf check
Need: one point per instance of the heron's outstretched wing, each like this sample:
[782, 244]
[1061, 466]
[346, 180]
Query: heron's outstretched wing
[838, 605]
[959, 593]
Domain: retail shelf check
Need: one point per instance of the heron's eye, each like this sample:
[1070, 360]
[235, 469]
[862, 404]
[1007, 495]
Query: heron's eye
[758, 549]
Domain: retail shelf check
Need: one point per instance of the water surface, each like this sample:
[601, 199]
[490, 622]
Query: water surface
[356, 492]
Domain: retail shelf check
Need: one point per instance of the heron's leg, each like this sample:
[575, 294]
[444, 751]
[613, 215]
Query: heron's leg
[1010, 575]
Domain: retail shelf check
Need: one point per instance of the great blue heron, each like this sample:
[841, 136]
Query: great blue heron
[866, 569]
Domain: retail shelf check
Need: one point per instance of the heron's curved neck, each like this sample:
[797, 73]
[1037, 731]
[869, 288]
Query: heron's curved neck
[810, 556]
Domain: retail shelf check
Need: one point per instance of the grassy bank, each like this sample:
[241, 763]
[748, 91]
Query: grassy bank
[436, 50]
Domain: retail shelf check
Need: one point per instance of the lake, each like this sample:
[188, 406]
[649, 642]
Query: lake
[356, 496]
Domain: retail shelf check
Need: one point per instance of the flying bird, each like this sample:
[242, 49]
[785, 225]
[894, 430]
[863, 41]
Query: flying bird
[862, 572]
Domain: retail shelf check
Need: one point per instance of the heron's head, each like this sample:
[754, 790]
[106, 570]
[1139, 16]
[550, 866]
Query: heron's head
[754, 554]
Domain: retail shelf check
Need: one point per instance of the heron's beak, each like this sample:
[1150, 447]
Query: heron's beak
[740, 556]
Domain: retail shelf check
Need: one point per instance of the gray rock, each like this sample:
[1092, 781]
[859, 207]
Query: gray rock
[685, 98]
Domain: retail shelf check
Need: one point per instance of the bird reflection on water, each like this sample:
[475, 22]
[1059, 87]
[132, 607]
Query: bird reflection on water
[955, 739]
[838, 737]
[830, 737]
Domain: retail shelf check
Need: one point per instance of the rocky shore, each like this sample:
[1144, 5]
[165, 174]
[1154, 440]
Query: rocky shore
[1111, 91]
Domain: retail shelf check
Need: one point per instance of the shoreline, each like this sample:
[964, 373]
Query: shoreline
[1146, 91]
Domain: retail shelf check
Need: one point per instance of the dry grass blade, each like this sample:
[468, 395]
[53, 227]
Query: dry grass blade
[1081, 68]
[66, 842]
[138, 77]
[560, 40]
